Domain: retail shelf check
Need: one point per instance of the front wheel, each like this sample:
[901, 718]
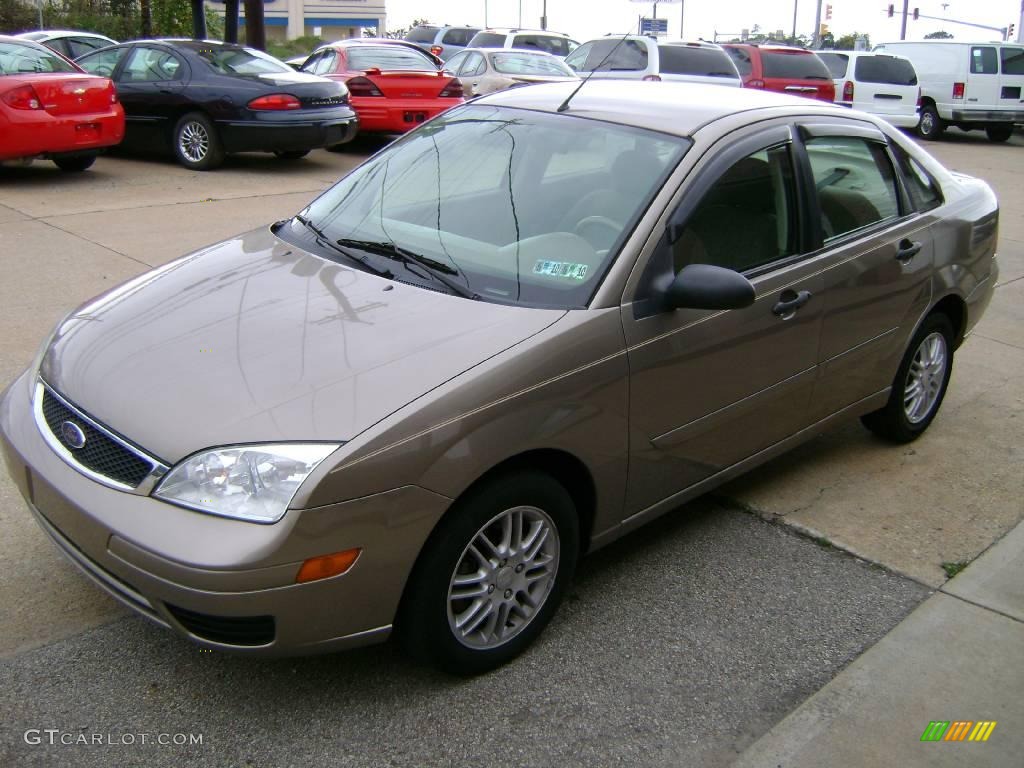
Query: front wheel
[196, 143]
[74, 164]
[492, 574]
[999, 131]
[920, 384]
[930, 126]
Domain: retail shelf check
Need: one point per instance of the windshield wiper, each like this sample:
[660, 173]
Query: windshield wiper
[323, 240]
[435, 269]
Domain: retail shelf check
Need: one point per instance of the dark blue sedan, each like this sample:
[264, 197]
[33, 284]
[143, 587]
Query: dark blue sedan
[204, 99]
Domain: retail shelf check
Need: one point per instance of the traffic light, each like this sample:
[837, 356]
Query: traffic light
[828, 12]
[916, 12]
[1009, 32]
[892, 10]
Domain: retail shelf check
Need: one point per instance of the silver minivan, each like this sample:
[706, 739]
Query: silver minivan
[636, 57]
[878, 83]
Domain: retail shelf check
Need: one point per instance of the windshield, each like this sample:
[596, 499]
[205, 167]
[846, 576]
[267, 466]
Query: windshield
[241, 61]
[518, 63]
[19, 59]
[515, 206]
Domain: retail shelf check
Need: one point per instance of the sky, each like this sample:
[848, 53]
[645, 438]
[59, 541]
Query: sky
[585, 19]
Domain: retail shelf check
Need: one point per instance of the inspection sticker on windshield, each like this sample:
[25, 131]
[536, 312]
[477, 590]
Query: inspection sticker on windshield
[561, 269]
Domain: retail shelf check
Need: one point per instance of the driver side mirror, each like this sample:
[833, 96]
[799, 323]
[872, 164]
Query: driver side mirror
[705, 286]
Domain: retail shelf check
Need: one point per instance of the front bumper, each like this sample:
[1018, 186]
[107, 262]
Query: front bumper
[295, 131]
[223, 583]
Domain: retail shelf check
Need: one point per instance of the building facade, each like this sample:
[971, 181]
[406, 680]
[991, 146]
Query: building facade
[327, 19]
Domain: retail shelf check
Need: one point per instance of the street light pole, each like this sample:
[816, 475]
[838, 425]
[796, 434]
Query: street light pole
[796, 4]
[544, 15]
[816, 37]
[682, 16]
[903, 24]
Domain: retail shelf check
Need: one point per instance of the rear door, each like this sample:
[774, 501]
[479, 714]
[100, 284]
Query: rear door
[885, 85]
[1011, 77]
[982, 88]
[798, 73]
[151, 85]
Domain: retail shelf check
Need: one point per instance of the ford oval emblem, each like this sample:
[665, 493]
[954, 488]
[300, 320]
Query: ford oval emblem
[72, 434]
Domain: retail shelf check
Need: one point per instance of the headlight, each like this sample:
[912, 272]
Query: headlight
[248, 482]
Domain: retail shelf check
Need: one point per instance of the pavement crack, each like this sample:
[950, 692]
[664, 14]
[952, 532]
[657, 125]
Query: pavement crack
[93, 242]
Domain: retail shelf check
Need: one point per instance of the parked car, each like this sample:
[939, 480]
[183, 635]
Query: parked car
[486, 70]
[639, 57]
[555, 43]
[50, 108]
[395, 86]
[204, 99]
[795, 71]
[442, 41]
[972, 86]
[68, 42]
[878, 83]
[539, 321]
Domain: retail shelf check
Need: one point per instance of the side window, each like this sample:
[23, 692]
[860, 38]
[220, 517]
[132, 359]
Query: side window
[151, 65]
[475, 65]
[102, 63]
[855, 182]
[747, 219]
[556, 46]
[576, 59]
[983, 60]
[924, 192]
[325, 64]
[457, 37]
[741, 58]
[530, 42]
[82, 45]
[455, 62]
[1013, 60]
[309, 65]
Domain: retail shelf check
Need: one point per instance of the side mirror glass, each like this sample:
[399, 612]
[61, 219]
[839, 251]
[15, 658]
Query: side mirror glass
[704, 286]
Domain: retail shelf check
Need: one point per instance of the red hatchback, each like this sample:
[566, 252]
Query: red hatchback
[795, 71]
[51, 108]
[394, 86]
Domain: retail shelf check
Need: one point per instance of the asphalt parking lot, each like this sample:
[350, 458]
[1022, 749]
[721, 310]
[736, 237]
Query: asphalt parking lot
[680, 644]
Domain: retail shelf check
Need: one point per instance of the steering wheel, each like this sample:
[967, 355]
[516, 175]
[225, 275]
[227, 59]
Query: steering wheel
[593, 225]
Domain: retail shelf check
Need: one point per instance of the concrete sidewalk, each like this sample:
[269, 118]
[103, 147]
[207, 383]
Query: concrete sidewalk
[959, 656]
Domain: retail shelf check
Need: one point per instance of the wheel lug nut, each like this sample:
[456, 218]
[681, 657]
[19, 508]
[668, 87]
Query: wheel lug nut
[504, 562]
[508, 593]
[519, 568]
[490, 589]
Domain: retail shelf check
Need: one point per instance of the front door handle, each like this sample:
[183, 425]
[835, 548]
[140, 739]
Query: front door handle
[789, 302]
[907, 250]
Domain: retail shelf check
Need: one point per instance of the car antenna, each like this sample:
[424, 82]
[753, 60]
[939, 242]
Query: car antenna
[565, 104]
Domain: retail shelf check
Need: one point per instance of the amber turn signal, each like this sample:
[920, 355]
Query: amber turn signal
[325, 566]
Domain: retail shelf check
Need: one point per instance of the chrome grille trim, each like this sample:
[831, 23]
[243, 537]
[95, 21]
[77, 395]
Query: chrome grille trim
[157, 468]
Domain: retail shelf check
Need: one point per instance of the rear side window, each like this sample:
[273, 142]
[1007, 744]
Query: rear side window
[1013, 60]
[885, 69]
[422, 34]
[103, 63]
[855, 182]
[458, 36]
[80, 46]
[151, 65]
[983, 60]
[487, 40]
[836, 63]
[741, 58]
[794, 66]
[924, 191]
[631, 56]
[391, 57]
[692, 60]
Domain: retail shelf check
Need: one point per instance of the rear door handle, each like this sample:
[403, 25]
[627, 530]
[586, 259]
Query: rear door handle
[907, 250]
[789, 302]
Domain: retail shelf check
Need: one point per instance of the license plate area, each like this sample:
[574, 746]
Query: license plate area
[87, 132]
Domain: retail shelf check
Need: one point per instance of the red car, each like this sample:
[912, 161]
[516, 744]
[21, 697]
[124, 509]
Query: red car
[393, 85]
[795, 71]
[51, 108]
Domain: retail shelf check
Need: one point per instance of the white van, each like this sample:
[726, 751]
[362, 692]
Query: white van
[637, 57]
[967, 85]
[878, 83]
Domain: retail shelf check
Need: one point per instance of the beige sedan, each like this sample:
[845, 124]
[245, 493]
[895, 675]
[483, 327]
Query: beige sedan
[485, 71]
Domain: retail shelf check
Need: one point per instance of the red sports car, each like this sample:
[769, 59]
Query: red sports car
[394, 86]
[51, 108]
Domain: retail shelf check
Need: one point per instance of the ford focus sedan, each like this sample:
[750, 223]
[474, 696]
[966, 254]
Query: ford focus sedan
[527, 327]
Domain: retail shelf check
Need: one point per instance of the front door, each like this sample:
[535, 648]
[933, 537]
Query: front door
[151, 85]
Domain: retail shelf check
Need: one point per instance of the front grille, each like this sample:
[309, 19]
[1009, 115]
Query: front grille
[100, 453]
[229, 630]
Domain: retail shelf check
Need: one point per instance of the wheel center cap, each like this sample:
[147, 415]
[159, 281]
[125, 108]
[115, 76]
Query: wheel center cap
[504, 578]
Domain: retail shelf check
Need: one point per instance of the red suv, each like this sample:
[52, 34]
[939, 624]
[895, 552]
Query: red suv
[779, 68]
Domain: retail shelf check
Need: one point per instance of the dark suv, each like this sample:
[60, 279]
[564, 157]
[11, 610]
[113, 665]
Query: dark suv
[442, 41]
[795, 71]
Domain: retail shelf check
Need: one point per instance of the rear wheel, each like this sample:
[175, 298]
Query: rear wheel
[920, 384]
[196, 143]
[292, 154]
[492, 574]
[930, 126]
[999, 131]
[74, 164]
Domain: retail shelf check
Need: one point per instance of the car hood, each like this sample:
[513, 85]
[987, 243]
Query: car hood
[255, 340]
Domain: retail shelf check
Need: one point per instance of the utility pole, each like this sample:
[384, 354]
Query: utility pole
[816, 37]
[903, 24]
[521, 13]
[682, 15]
[796, 4]
[544, 15]
[1020, 32]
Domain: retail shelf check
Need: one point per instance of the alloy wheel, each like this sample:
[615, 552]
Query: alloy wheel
[194, 141]
[925, 378]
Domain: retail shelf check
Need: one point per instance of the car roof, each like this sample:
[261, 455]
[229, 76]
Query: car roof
[518, 30]
[669, 107]
[50, 34]
[507, 51]
[771, 47]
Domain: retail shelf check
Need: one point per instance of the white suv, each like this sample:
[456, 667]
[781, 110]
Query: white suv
[882, 84]
[555, 43]
[636, 57]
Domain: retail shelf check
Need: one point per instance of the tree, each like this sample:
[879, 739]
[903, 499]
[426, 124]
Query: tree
[849, 42]
[940, 35]
[16, 16]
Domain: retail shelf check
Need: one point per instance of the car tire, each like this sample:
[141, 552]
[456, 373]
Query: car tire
[999, 132]
[196, 144]
[292, 154]
[501, 607]
[930, 126]
[74, 164]
[920, 384]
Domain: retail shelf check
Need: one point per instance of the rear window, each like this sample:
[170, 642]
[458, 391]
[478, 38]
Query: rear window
[422, 34]
[794, 66]
[18, 59]
[630, 56]
[1013, 60]
[487, 40]
[836, 63]
[557, 46]
[524, 63]
[692, 60]
[240, 61]
[741, 58]
[389, 57]
[885, 69]
[458, 36]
